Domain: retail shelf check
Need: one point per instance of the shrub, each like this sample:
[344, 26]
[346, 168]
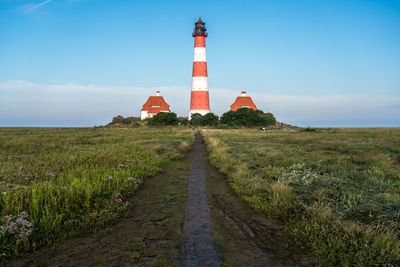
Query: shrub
[126, 121]
[196, 119]
[308, 129]
[183, 121]
[164, 119]
[210, 119]
[247, 117]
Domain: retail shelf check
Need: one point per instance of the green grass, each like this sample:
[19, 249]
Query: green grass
[338, 190]
[68, 181]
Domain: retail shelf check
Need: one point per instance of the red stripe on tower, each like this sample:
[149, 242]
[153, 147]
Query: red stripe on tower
[199, 100]
[200, 41]
[199, 69]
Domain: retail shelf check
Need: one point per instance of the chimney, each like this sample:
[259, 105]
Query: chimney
[158, 93]
[243, 93]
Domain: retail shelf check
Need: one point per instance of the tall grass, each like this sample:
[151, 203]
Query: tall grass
[57, 183]
[338, 190]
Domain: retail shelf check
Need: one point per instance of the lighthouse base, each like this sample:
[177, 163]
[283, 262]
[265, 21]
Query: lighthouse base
[199, 111]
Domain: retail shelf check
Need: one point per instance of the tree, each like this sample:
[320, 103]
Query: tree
[196, 119]
[247, 117]
[118, 119]
[269, 118]
[183, 121]
[164, 119]
[210, 119]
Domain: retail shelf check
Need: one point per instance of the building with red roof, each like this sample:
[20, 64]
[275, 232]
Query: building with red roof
[153, 106]
[243, 101]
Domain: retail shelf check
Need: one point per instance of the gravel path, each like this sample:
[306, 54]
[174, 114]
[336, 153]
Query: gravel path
[198, 246]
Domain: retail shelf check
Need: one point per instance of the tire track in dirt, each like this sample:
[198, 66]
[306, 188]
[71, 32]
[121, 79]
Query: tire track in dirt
[198, 246]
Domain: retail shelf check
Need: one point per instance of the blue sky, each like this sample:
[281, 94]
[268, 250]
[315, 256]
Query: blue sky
[318, 63]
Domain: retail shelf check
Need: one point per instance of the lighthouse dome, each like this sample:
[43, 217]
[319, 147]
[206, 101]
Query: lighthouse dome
[199, 28]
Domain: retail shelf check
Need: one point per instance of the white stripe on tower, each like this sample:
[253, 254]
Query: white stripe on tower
[200, 84]
[199, 101]
[199, 54]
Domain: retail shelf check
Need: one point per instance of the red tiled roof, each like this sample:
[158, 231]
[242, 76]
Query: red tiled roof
[243, 102]
[155, 104]
[200, 21]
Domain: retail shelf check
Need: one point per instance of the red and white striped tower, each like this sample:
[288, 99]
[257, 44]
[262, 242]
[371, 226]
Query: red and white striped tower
[199, 101]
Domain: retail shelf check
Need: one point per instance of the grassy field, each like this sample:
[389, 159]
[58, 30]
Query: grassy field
[57, 183]
[337, 190]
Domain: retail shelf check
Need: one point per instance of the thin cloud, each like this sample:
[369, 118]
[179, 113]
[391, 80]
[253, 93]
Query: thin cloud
[25, 103]
[30, 8]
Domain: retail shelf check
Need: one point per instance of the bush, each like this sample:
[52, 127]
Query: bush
[183, 121]
[210, 119]
[128, 120]
[164, 119]
[308, 129]
[196, 119]
[247, 117]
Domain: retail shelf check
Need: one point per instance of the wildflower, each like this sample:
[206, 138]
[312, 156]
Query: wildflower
[8, 217]
[110, 178]
[52, 174]
[156, 157]
[17, 226]
[131, 179]
[121, 166]
[138, 161]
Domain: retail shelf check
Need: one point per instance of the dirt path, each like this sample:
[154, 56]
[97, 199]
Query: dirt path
[187, 216]
[198, 246]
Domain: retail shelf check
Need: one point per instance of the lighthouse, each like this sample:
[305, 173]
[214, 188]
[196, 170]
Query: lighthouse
[199, 100]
